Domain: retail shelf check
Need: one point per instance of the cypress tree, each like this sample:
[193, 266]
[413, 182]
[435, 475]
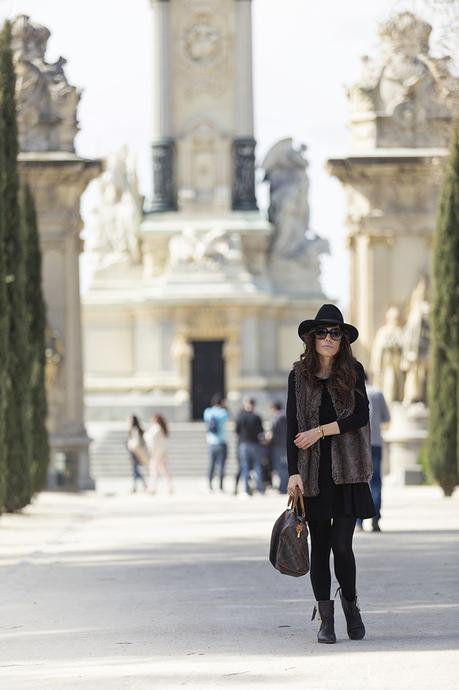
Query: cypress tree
[3, 307]
[36, 326]
[443, 438]
[18, 477]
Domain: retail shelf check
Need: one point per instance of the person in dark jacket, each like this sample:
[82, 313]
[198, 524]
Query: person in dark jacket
[329, 459]
[249, 428]
[379, 414]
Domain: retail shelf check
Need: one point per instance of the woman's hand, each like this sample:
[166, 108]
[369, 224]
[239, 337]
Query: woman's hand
[306, 439]
[295, 484]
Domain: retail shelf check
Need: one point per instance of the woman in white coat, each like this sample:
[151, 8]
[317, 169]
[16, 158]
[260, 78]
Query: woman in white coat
[156, 439]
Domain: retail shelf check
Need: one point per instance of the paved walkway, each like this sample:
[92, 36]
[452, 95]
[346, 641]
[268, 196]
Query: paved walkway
[113, 590]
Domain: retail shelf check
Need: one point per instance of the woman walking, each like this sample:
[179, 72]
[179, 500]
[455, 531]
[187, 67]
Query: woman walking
[156, 440]
[329, 459]
[136, 448]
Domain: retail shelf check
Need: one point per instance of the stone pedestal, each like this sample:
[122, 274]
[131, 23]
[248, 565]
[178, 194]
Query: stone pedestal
[392, 198]
[202, 278]
[57, 180]
[405, 438]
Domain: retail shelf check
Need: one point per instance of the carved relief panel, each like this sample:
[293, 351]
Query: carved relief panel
[203, 43]
[203, 98]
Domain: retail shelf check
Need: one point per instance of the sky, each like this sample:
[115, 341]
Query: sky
[304, 54]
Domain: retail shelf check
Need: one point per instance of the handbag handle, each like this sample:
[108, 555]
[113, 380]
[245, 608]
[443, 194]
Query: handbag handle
[294, 501]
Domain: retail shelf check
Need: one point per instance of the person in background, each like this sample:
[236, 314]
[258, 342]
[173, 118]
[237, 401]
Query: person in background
[238, 473]
[277, 439]
[156, 441]
[249, 428]
[216, 417]
[379, 414]
[136, 447]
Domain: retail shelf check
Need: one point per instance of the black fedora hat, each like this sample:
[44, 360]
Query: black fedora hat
[327, 314]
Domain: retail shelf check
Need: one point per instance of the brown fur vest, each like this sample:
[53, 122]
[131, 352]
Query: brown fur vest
[350, 452]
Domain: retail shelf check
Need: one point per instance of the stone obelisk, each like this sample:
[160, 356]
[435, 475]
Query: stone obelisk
[203, 63]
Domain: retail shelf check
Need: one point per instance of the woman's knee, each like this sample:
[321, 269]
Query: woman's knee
[342, 549]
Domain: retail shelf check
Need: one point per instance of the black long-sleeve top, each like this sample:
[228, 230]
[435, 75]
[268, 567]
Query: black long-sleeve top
[249, 426]
[357, 419]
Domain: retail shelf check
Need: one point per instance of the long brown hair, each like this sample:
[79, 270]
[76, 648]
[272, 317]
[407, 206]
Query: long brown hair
[342, 374]
[159, 419]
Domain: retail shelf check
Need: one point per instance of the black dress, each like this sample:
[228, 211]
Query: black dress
[333, 500]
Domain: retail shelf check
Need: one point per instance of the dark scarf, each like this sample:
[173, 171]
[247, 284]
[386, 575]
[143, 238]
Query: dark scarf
[350, 452]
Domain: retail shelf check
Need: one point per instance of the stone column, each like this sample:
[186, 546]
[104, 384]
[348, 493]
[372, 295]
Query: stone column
[244, 70]
[163, 146]
[392, 200]
[243, 195]
[57, 180]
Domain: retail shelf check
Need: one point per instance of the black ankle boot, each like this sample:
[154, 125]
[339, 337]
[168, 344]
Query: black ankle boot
[326, 612]
[375, 525]
[355, 626]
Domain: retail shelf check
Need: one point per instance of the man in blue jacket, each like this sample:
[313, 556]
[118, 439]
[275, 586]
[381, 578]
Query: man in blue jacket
[216, 417]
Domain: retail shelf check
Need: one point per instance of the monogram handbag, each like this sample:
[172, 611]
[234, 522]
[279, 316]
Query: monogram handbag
[289, 549]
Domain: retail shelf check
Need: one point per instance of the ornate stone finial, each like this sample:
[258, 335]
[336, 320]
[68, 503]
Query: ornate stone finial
[404, 96]
[405, 33]
[28, 39]
[47, 103]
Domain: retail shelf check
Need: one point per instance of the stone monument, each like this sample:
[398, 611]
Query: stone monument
[205, 309]
[47, 120]
[400, 127]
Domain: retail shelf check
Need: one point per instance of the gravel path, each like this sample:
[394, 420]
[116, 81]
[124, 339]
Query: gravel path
[111, 590]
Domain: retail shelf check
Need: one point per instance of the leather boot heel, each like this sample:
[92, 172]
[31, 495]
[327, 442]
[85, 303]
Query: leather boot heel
[355, 626]
[326, 614]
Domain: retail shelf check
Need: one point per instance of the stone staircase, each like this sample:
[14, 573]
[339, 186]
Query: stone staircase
[188, 452]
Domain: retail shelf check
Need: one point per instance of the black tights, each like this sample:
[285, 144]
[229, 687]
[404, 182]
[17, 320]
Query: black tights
[326, 535]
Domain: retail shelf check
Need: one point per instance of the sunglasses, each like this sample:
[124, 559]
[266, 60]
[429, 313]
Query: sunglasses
[322, 332]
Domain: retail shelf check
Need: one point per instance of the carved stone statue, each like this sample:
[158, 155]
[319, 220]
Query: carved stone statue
[403, 96]
[54, 353]
[386, 356]
[116, 212]
[219, 246]
[46, 102]
[285, 169]
[294, 250]
[415, 345]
